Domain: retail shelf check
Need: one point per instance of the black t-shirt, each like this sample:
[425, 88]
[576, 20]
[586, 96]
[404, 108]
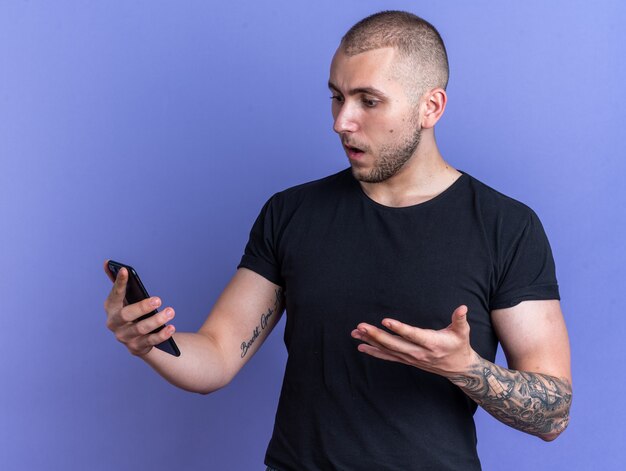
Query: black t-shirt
[342, 259]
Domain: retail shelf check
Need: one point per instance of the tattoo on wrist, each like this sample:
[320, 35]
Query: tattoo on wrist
[532, 402]
[264, 322]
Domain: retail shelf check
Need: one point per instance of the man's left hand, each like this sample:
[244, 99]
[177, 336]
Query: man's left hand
[444, 352]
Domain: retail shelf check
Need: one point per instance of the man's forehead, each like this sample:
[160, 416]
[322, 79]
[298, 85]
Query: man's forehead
[382, 55]
[369, 68]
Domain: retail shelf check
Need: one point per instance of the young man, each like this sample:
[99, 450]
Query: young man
[399, 276]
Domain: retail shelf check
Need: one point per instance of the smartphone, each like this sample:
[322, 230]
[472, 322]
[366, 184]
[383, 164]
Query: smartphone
[135, 292]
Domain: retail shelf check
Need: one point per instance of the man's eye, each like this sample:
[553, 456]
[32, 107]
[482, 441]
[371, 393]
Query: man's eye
[369, 103]
[337, 98]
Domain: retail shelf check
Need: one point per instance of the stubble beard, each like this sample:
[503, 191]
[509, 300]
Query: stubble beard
[391, 159]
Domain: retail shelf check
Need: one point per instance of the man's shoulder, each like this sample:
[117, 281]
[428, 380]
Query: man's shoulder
[314, 195]
[338, 179]
[326, 187]
[497, 203]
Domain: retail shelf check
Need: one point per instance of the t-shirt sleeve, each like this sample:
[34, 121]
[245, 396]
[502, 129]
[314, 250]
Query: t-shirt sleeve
[260, 252]
[527, 270]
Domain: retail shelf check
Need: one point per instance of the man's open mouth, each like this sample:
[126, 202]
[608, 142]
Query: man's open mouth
[353, 149]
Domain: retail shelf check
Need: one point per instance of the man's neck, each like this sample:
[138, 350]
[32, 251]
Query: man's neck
[423, 177]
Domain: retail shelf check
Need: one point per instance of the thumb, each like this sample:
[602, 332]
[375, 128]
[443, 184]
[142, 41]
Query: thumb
[459, 318]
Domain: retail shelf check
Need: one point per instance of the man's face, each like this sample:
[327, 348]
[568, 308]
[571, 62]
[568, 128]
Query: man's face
[377, 122]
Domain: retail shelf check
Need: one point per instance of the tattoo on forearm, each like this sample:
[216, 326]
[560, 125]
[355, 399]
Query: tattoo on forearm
[532, 402]
[266, 317]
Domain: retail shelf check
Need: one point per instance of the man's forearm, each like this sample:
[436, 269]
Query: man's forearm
[531, 402]
[200, 367]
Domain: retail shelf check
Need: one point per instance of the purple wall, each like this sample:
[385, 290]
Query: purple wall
[152, 132]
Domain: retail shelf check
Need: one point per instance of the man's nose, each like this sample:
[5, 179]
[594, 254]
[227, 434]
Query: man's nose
[346, 120]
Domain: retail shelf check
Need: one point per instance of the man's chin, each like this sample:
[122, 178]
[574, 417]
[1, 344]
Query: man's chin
[365, 176]
[358, 173]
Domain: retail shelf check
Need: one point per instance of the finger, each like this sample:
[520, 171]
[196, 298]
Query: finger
[415, 335]
[460, 314]
[142, 345]
[134, 311]
[130, 332]
[118, 291]
[114, 302]
[379, 338]
[459, 319]
[161, 336]
[148, 325]
[378, 353]
[108, 272]
[360, 334]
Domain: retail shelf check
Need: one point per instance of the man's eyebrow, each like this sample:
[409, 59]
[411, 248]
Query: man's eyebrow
[356, 91]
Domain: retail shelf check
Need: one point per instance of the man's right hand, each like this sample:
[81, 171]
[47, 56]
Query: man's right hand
[242, 318]
[121, 317]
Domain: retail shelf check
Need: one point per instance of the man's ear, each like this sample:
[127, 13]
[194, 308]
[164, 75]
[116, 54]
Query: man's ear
[433, 106]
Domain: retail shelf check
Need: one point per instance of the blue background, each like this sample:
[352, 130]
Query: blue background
[152, 132]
